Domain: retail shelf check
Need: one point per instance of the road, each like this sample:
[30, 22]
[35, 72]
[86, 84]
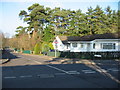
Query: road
[29, 71]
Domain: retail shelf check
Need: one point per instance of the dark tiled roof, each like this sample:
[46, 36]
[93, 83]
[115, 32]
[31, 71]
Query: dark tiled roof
[90, 37]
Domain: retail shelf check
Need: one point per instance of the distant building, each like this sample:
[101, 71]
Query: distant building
[90, 43]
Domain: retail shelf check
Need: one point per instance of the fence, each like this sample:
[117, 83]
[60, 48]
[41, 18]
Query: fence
[26, 51]
[53, 54]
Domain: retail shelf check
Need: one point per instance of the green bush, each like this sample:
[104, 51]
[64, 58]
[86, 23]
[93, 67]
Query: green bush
[51, 46]
[45, 47]
[37, 48]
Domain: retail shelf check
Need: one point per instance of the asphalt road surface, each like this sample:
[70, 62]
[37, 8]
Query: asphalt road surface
[28, 71]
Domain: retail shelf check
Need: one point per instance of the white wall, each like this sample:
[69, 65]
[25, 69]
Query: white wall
[60, 45]
[98, 45]
[78, 48]
[118, 45]
[88, 46]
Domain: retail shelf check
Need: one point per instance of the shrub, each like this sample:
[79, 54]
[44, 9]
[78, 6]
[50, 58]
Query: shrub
[37, 49]
[51, 46]
[45, 47]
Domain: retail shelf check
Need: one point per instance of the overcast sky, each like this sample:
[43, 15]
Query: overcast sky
[9, 10]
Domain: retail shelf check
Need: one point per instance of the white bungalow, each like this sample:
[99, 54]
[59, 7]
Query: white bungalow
[91, 43]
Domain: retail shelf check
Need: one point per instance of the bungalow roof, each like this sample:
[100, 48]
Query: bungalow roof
[90, 37]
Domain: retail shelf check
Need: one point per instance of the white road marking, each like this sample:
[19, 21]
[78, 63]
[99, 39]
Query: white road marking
[45, 75]
[9, 77]
[73, 72]
[25, 76]
[113, 69]
[102, 70]
[57, 69]
[88, 71]
[53, 67]
[67, 72]
[60, 73]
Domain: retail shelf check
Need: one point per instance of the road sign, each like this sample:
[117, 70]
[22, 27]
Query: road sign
[55, 41]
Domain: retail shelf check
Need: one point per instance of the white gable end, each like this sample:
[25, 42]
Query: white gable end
[59, 45]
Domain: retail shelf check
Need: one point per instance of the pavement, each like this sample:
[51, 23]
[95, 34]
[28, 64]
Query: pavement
[55, 60]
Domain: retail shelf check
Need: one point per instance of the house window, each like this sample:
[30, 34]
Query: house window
[108, 45]
[74, 44]
[82, 45]
[93, 45]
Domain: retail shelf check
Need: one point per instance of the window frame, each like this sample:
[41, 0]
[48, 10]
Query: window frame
[81, 45]
[106, 46]
[74, 44]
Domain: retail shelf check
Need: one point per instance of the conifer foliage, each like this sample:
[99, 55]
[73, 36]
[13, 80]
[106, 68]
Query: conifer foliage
[45, 23]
